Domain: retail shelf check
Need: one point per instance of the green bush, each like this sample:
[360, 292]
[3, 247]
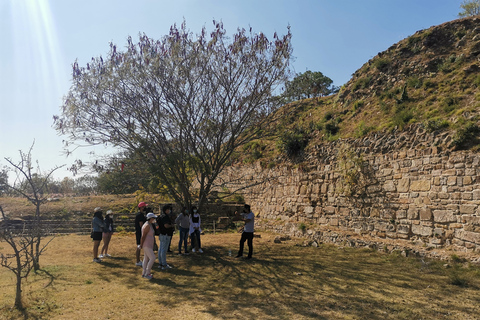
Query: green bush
[358, 105]
[466, 136]
[382, 64]
[293, 143]
[361, 83]
[331, 128]
[436, 124]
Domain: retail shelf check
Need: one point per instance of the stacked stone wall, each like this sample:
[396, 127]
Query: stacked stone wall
[413, 188]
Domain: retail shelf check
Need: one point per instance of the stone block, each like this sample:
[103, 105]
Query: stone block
[423, 231]
[334, 222]
[467, 180]
[467, 196]
[468, 236]
[329, 210]
[308, 210]
[426, 214]
[468, 208]
[403, 185]
[452, 181]
[444, 216]
[403, 228]
[389, 186]
[420, 185]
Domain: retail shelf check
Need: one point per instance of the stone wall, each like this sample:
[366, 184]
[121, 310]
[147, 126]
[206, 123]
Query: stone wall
[409, 187]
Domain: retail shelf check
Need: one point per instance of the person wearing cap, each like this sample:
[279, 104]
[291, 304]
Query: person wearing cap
[97, 229]
[107, 233]
[140, 219]
[166, 228]
[247, 235]
[146, 243]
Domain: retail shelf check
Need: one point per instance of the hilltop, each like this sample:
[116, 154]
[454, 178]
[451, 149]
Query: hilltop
[430, 79]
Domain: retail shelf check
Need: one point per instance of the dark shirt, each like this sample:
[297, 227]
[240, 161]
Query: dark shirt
[140, 219]
[162, 221]
[108, 225]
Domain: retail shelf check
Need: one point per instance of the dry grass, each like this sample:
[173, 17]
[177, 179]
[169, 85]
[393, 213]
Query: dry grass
[283, 281]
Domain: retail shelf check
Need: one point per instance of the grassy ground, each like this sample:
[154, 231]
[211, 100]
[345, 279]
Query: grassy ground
[283, 281]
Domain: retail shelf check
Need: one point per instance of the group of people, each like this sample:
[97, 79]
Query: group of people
[148, 224]
[102, 229]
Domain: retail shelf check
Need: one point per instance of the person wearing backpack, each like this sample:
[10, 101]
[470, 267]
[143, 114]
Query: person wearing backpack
[166, 228]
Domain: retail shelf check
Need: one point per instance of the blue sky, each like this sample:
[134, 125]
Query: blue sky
[40, 39]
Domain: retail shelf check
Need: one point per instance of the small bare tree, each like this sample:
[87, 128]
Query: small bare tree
[21, 261]
[32, 186]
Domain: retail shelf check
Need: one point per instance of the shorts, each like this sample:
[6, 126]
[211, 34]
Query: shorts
[97, 236]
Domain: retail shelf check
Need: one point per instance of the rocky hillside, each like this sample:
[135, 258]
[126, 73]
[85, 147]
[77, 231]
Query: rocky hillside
[431, 79]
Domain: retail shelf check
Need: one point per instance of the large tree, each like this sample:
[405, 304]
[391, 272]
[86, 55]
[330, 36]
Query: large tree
[308, 85]
[182, 104]
[470, 8]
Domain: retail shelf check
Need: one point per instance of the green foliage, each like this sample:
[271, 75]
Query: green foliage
[331, 128]
[358, 105]
[402, 117]
[362, 129]
[361, 83]
[450, 103]
[292, 144]
[382, 64]
[469, 8]
[436, 124]
[308, 85]
[302, 227]
[466, 136]
[414, 82]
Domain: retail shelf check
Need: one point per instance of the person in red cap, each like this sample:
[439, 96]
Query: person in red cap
[140, 219]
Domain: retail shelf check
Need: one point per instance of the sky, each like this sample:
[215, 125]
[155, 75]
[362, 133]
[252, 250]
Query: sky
[40, 39]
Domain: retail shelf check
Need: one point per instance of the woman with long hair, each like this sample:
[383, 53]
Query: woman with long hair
[97, 229]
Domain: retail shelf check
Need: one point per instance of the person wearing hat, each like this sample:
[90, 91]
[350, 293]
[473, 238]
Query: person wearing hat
[139, 222]
[97, 228]
[107, 233]
[146, 243]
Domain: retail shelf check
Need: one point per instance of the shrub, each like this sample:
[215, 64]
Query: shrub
[437, 124]
[331, 128]
[382, 64]
[361, 83]
[358, 105]
[466, 136]
[414, 82]
[293, 143]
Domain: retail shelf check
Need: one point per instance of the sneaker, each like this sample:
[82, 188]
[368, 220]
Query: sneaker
[139, 264]
[193, 250]
[186, 253]
[200, 250]
[97, 260]
[148, 276]
[167, 266]
[101, 256]
[161, 267]
[107, 255]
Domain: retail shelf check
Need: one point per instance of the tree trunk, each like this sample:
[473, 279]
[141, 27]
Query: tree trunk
[18, 295]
